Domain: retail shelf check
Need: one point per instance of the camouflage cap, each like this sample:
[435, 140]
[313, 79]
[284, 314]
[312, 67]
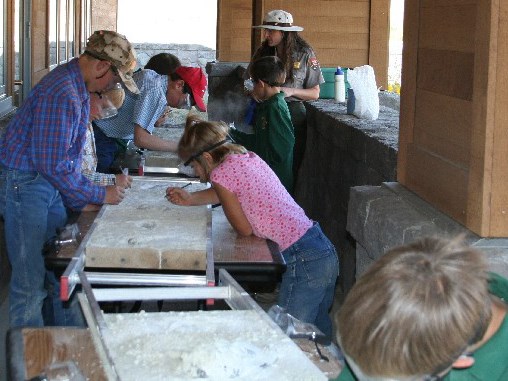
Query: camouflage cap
[111, 46]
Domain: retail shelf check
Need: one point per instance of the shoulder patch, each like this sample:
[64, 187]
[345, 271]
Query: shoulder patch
[314, 63]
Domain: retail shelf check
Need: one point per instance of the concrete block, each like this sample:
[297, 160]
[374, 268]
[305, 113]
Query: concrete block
[382, 217]
[363, 260]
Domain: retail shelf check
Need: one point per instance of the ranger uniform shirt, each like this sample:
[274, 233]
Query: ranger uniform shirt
[306, 72]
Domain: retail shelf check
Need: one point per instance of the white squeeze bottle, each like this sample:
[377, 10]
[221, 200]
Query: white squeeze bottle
[340, 86]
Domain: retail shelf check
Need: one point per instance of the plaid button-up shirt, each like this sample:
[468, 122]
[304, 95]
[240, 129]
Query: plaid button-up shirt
[143, 109]
[47, 135]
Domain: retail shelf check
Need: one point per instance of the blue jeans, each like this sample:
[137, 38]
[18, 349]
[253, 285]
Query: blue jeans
[33, 211]
[308, 284]
[106, 150]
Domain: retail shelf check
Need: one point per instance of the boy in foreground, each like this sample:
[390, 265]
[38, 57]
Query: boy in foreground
[426, 311]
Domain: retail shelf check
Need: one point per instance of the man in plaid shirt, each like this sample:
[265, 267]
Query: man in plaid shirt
[40, 172]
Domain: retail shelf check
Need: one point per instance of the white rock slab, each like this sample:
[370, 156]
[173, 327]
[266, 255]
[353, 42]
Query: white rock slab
[214, 345]
[146, 231]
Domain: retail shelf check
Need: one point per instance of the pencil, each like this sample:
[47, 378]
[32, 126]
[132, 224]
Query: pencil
[185, 186]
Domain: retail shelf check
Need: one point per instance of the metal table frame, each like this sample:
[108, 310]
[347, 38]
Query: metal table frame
[228, 290]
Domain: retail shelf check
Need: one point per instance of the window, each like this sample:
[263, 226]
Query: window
[85, 29]
[62, 31]
[52, 32]
[71, 30]
[3, 50]
[6, 51]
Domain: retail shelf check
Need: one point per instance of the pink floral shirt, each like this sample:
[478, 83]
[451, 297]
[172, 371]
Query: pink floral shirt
[271, 211]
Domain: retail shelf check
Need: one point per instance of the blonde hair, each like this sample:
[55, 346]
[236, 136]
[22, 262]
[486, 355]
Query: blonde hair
[201, 136]
[416, 309]
[116, 96]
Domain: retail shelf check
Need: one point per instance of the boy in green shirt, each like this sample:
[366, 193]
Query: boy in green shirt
[426, 311]
[273, 138]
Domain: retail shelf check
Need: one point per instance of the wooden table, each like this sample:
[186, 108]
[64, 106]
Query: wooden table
[31, 350]
[248, 259]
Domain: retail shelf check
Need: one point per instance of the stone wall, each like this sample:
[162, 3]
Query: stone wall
[104, 14]
[342, 152]
[189, 54]
[381, 217]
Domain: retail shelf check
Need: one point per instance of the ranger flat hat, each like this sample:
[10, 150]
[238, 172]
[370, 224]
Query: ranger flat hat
[279, 20]
[111, 46]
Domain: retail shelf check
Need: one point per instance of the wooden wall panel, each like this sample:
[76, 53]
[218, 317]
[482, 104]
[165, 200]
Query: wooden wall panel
[443, 3]
[39, 31]
[443, 125]
[336, 27]
[379, 37]
[328, 25]
[499, 212]
[408, 90]
[355, 57]
[345, 33]
[435, 123]
[234, 23]
[446, 72]
[493, 98]
[441, 183]
[448, 27]
[357, 41]
[480, 184]
[453, 140]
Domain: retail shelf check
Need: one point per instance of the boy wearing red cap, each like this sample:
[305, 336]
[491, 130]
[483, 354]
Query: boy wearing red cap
[137, 117]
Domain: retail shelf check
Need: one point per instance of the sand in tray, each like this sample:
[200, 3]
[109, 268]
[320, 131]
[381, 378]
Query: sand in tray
[147, 231]
[213, 345]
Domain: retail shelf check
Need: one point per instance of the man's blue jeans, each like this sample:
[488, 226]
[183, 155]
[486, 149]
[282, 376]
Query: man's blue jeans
[33, 211]
[308, 284]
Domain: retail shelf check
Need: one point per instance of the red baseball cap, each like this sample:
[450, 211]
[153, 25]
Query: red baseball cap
[196, 80]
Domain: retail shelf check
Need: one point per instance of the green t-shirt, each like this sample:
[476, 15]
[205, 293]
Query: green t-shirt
[273, 138]
[491, 359]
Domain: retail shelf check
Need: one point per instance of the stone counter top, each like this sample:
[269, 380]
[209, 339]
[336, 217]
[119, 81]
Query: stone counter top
[343, 151]
[366, 147]
[385, 129]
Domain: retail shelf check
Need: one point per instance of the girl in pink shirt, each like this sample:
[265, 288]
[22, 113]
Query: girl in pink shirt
[255, 202]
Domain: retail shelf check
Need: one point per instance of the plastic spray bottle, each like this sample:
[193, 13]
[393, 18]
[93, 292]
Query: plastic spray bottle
[340, 86]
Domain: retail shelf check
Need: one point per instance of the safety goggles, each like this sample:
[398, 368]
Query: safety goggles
[207, 149]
